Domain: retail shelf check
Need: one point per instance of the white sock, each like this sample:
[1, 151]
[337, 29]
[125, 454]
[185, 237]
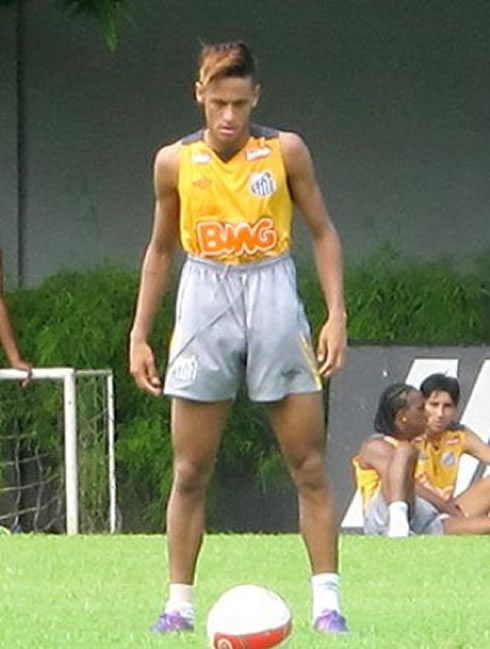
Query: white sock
[325, 592]
[181, 599]
[398, 525]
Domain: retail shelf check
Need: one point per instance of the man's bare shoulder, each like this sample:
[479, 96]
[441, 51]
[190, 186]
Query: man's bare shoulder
[375, 447]
[291, 142]
[295, 152]
[168, 155]
[377, 440]
[166, 163]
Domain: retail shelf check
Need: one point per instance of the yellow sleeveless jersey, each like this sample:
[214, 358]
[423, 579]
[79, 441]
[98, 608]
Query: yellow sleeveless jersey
[438, 462]
[368, 480]
[236, 211]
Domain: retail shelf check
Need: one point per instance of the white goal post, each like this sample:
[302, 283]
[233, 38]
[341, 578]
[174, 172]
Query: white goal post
[68, 377]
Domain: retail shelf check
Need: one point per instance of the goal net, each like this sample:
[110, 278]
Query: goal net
[57, 461]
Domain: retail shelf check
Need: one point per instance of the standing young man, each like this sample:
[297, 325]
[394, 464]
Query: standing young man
[226, 195]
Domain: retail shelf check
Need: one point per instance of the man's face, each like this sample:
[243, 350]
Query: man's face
[227, 105]
[441, 411]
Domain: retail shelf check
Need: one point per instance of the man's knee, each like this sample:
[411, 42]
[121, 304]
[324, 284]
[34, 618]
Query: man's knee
[191, 477]
[309, 471]
[400, 462]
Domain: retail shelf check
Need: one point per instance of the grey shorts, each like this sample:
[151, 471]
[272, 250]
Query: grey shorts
[425, 518]
[235, 322]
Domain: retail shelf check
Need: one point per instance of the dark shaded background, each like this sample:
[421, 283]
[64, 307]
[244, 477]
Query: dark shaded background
[392, 97]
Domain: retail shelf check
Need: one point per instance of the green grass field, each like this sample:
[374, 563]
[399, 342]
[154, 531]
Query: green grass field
[103, 592]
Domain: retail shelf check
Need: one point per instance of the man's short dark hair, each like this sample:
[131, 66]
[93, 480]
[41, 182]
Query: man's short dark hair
[441, 383]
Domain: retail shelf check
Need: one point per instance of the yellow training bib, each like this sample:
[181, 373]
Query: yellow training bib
[368, 481]
[236, 211]
[438, 462]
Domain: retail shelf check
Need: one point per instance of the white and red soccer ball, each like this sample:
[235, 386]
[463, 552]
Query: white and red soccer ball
[249, 617]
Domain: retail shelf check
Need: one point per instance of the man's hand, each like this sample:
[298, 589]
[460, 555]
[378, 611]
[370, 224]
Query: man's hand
[24, 366]
[453, 509]
[142, 368]
[449, 506]
[332, 343]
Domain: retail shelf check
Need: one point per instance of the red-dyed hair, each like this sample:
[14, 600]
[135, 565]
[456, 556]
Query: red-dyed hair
[233, 59]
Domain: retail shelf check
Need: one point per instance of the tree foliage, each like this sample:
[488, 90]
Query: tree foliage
[108, 12]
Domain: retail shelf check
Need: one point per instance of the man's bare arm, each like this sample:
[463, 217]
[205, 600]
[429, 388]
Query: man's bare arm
[448, 506]
[474, 446]
[326, 248]
[9, 344]
[156, 268]
[7, 337]
[376, 454]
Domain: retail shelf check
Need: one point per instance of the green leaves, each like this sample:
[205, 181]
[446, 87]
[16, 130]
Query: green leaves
[391, 299]
[109, 13]
[394, 300]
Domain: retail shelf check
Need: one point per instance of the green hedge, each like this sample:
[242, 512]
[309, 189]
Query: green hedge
[82, 319]
[393, 300]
